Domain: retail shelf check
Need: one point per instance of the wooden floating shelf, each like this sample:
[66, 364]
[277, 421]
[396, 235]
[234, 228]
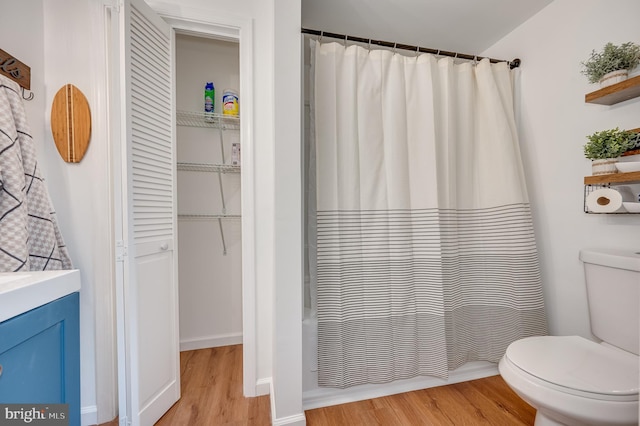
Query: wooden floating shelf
[619, 92]
[612, 178]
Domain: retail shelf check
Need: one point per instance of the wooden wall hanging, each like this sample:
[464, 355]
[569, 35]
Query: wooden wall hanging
[71, 123]
[17, 71]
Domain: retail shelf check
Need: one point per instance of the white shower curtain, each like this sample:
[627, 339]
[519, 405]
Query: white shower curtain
[426, 257]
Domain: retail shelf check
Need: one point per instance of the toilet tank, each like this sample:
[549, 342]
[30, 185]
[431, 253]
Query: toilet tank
[613, 291]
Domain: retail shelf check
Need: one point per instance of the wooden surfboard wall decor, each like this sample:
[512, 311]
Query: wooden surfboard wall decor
[71, 123]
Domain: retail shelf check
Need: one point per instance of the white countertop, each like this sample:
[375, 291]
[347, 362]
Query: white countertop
[22, 291]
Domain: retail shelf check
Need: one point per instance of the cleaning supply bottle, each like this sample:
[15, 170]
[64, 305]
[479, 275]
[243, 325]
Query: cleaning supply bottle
[209, 99]
[230, 102]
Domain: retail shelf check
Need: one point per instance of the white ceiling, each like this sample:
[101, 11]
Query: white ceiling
[464, 26]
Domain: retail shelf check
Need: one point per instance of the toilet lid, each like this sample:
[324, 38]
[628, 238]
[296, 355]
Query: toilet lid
[578, 364]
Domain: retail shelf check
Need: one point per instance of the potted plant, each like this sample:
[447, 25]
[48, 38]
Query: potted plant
[605, 147]
[612, 64]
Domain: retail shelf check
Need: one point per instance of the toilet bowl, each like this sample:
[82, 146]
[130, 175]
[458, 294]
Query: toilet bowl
[573, 381]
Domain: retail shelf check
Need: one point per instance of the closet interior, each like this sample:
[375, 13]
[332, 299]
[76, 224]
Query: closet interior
[209, 195]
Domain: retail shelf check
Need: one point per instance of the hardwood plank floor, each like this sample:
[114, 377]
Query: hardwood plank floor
[211, 386]
[487, 401]
[212, 396]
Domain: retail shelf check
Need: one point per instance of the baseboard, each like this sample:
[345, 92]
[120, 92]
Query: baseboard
[297, 420]
[324, 397]
[211, 341]
[294, 420]
[263, 386]
[89, 415]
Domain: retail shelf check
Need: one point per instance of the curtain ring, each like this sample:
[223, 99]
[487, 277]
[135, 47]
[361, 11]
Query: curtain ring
[394, 48]
[369, 45]
[438, 52]
[321, 34]
[346, 37]
[475, 61]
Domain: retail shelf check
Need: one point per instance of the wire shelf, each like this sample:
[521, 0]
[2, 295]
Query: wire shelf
[207, 217]
[210, 218]
[222, 123]
[589, 188]
[202, 167]
[202, 119]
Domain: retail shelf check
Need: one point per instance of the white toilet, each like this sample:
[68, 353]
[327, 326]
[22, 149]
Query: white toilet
[572, 380]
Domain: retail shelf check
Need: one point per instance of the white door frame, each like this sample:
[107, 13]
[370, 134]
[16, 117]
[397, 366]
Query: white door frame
[203, 23]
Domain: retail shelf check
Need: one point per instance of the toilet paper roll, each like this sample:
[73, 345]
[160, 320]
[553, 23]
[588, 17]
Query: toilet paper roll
[605, 200]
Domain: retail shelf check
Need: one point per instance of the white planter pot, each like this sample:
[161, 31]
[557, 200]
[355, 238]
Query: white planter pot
[613, 77]
[605, 166]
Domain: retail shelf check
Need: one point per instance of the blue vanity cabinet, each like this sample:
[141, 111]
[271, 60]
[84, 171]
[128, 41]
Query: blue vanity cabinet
[40, 356]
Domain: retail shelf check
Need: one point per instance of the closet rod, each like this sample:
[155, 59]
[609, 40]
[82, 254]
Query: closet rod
[512, 64]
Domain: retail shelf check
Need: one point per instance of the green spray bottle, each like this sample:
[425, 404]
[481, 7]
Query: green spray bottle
[209, 99]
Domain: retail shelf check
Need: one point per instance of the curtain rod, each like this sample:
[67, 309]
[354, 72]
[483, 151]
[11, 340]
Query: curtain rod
[512, 64]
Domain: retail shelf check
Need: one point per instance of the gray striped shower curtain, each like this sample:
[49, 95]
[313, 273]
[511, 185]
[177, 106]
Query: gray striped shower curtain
[426, 256]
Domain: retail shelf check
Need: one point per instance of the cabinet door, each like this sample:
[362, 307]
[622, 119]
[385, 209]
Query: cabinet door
[40, 356]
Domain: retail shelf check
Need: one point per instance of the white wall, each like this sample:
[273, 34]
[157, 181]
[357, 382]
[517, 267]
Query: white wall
[287, 83]
[554, 121]
[55, 41]
[25, 42]
[210, 282]
[73, 41]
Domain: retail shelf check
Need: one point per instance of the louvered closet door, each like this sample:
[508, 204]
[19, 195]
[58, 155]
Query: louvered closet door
[151, 301]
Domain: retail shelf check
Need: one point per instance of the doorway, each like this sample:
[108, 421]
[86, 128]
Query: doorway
[135, 323]
[237, 33]
[209, 192]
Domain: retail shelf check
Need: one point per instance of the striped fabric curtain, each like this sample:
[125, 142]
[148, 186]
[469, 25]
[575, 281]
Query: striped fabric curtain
[426, 256]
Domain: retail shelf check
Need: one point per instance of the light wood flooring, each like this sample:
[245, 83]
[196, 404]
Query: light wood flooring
[212, 392]
[212, 396]
[487, 401]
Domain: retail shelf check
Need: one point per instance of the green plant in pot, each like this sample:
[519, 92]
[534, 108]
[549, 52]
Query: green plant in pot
[605, 147]
[612, 64]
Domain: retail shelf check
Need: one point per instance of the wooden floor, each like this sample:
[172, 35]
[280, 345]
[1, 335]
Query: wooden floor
[212, 396]
[486, 401]
[212, 392]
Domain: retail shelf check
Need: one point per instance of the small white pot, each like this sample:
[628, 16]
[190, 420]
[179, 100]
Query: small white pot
[605, 166]
[614, 77]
